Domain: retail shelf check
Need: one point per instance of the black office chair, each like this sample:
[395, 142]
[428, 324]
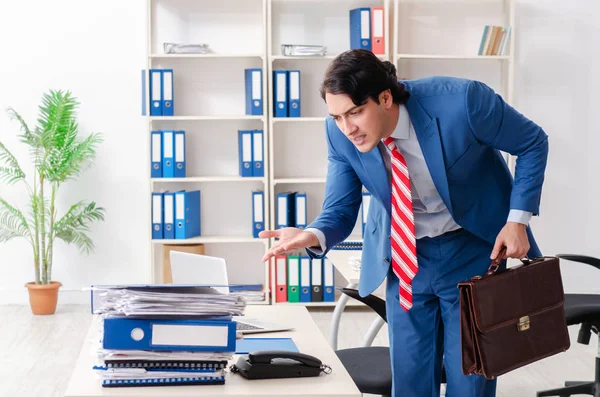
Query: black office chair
[370, 366]
[581, 309]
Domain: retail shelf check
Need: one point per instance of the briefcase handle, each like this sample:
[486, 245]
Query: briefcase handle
[496, 262]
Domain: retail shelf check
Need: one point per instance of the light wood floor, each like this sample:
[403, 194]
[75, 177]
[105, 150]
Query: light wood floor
[37, 353]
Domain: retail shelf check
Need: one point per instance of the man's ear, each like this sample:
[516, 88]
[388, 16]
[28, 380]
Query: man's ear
[386, 99]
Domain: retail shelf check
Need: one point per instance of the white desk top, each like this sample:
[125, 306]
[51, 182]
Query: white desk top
[308, 339]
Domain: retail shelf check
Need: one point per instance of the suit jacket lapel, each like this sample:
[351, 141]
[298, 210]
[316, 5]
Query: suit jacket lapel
[428, 135]
[377, 174]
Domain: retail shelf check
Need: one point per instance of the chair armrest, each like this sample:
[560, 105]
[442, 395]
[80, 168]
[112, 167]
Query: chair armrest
[588, 260]
[374, 302]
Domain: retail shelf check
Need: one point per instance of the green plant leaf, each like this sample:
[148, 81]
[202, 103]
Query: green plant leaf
[12, 222]
[72, 228]
[10, 170]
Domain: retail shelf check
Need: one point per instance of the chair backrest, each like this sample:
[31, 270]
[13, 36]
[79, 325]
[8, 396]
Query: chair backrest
[374, 302]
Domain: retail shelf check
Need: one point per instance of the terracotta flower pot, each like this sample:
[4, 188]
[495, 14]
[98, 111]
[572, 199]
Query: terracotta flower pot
[43, 297]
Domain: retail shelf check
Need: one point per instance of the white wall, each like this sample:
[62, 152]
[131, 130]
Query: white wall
[96, 49]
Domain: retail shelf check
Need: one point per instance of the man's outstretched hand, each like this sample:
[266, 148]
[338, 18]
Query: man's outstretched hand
[290, 239]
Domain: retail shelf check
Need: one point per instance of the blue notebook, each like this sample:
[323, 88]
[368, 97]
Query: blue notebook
[247, 345]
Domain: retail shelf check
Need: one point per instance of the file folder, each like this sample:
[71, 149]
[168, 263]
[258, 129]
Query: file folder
[249, 345]
[366, 201]
[179, 170]
[167, 92]
[360, 28]
[316, 273]
[280, 93]
[285, 210]
[169, 215]
[254, 102]
[168, 160]
[174, 335]
[294, 93]
[328, 280]
[377, 29]
[193, 379]
[300, 210]
[157, 216]
[258, 164]
[281, 278]
[293, 278]
[258, 211]
[187, 214]
[156, 94]
[305, 286]
[245, 153]
[156, 154]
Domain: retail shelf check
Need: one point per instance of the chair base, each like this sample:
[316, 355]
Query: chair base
[589, 388]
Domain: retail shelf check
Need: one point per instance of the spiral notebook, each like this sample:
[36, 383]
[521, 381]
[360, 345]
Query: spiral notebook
[178, 381]
[166, 364]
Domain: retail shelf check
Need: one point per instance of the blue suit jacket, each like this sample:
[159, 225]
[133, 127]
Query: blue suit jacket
[462, 125]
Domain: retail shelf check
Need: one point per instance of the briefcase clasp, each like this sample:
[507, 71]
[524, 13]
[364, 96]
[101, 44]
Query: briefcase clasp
[523, 324]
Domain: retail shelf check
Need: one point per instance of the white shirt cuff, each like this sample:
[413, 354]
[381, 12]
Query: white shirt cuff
[519, 216]
[320, 237]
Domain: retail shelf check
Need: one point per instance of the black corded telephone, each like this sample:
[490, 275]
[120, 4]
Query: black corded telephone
[267, 364]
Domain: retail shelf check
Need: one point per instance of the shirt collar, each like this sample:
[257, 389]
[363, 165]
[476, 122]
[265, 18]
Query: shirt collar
[402, 130]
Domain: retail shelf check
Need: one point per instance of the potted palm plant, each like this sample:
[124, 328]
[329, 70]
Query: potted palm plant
[58, 154]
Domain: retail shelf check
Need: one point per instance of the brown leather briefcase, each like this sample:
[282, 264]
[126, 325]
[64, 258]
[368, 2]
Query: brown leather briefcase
[512, 318]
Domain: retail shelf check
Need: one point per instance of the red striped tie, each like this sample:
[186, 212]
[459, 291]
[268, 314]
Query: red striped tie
[404, 250]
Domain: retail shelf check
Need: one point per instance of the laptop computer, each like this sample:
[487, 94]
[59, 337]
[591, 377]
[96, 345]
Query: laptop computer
[197, 269]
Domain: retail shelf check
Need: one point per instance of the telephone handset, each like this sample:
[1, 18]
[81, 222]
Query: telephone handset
[267, 364]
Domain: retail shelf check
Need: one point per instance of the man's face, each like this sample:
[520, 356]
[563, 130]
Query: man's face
[363, 125]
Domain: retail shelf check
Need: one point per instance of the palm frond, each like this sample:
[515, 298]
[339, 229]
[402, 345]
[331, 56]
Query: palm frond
[27, 136]
[10, 170]
[73, 226]
[12, 222]
[76, 158]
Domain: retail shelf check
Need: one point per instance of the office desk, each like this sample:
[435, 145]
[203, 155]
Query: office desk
[308, 339]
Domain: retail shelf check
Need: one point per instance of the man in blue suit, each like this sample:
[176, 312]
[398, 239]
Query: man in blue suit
[465, 202]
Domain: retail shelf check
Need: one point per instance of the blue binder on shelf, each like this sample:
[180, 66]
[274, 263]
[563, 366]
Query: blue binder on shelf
[280, 93]
[286, 214]
[305, 287]
[179, 169]
[156, 92]
[254, 101]
[173, 334]
[258, 164]
[168, 103]
[168, 159]
[156, 154]
[300, 207]
[258, 212]
[169, 215]
[366, 201]
[328, 280]
[360, 28]
[157, 216]
[187, 214]
[294, 93]
[245, 153]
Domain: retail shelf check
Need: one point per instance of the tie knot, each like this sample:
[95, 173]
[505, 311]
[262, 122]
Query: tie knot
[389, 142]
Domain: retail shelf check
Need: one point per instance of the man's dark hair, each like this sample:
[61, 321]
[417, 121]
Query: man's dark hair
[361, 75]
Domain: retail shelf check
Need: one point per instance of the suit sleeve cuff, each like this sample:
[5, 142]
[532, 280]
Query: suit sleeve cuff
[321, 238]
[519, 216]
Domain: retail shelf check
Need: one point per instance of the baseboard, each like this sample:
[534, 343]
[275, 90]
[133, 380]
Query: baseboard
[20, 296]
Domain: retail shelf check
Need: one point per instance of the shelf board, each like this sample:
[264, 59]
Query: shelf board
[349, 303]
[209, 179]
[314, 57]
[297, 119]
[213, 240]
[199, 56]
[438, 56]
[298, 180]
[204, 118]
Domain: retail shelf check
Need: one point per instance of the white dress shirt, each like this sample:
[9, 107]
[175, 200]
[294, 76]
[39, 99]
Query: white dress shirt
[432, 217]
